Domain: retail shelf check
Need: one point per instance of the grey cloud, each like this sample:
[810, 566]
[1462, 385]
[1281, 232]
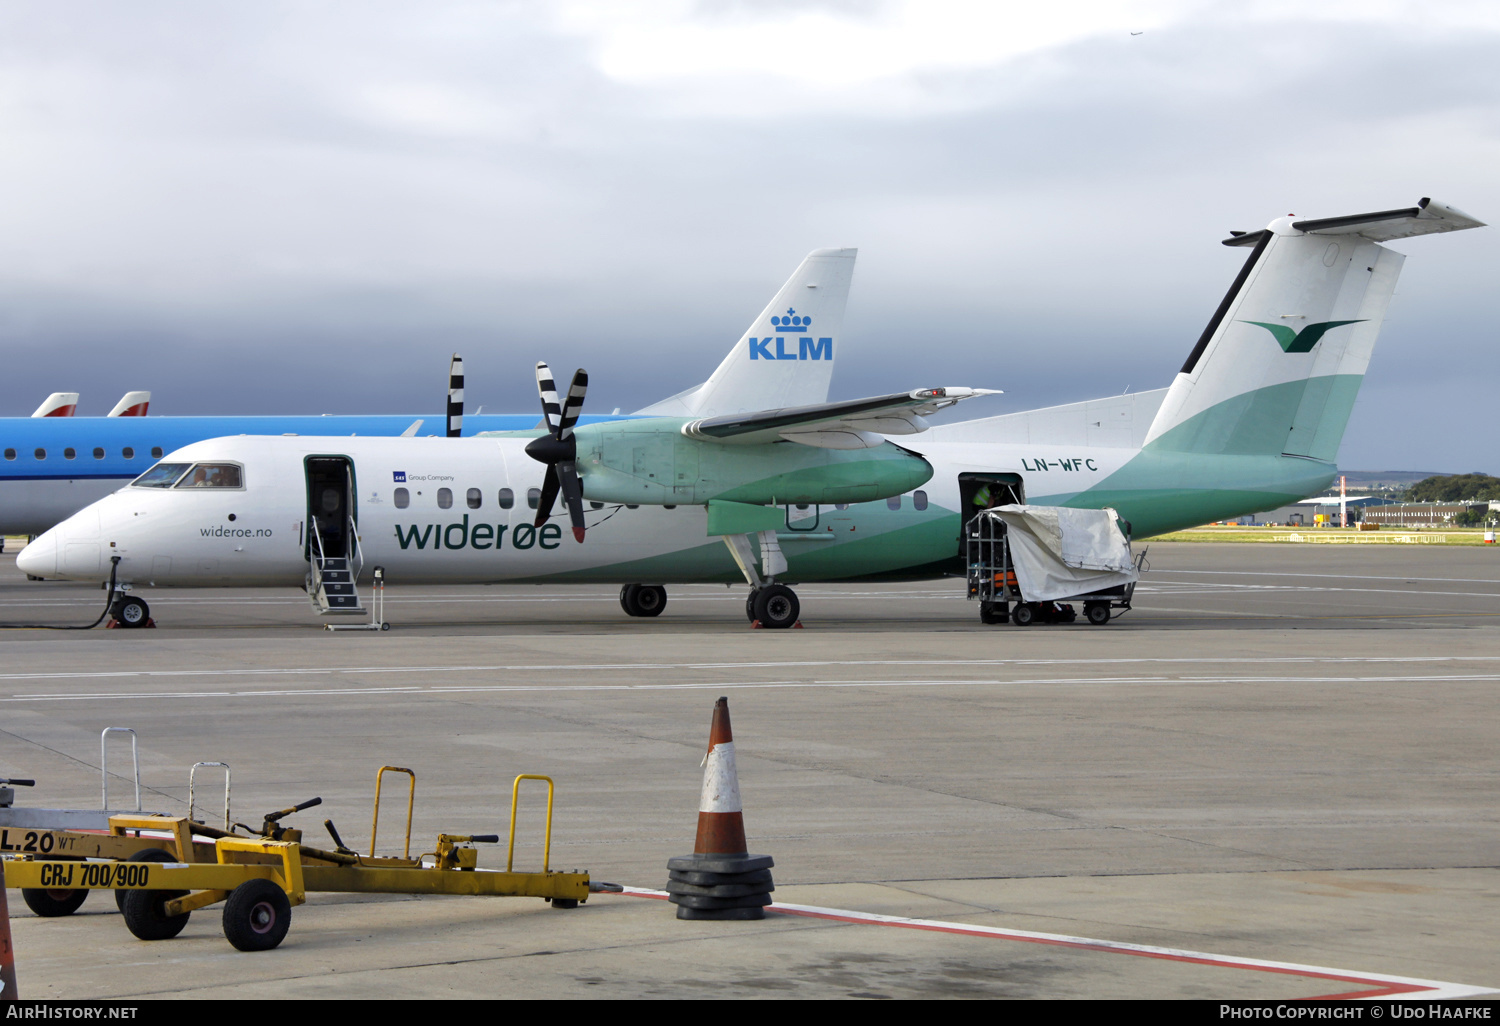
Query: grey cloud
[238, 194]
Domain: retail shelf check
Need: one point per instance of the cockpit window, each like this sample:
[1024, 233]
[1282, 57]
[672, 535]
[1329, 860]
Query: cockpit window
[213, 475]
[163, 475]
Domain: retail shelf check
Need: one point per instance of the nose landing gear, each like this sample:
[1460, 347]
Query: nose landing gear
[129, 611]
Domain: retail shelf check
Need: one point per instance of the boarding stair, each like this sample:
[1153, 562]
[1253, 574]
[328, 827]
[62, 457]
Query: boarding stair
[332, 583]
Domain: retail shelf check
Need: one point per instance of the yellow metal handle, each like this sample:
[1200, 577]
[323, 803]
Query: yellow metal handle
[411, 799]
[515, 793]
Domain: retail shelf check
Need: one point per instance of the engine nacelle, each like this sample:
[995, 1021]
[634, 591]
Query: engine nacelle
[653, 463]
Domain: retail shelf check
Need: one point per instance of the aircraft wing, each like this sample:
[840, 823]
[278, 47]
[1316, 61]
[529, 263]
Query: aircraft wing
[853, 424]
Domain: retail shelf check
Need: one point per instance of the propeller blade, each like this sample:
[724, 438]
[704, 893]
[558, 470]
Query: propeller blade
[456, 396]
[549, 496]
[547, 388]
[572, 492]
[573, 405]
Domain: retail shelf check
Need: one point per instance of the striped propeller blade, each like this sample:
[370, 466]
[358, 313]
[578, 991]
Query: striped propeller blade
[573, 405]
[547, 388]
[456, 397]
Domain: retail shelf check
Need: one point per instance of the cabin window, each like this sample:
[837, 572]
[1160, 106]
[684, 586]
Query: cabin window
[41, 454]
[128, 453]
[213, 475]
[156, 452]
[919, 499]
[98, 454]
[507, 498]
[533, 497]
[10, 454]
[403, 498]
[894, 502]
[163, 475]
[474, 497]
[70, 453]
[445, 498]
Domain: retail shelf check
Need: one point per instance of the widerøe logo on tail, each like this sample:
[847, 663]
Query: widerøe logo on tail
[1300, 341]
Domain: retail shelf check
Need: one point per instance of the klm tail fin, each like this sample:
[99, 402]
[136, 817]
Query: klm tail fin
[1277, 369]
[786, 357]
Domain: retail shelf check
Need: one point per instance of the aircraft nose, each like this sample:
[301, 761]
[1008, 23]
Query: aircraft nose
[39, 558]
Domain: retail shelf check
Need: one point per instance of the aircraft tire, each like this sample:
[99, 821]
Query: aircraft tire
[776, 606]
[650, 599]
[750, 604]
[627, 599]
[131, 612]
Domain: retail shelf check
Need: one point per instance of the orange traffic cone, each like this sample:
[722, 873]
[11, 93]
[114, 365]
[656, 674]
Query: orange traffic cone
[7, 952]
[721, 879]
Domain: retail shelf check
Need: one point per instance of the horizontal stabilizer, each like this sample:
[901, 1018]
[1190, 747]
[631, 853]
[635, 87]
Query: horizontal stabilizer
[132, 404]
[58, 404]
[853, 424]
[1426, 218]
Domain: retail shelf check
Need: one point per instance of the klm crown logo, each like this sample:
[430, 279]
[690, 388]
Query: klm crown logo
[794, 324]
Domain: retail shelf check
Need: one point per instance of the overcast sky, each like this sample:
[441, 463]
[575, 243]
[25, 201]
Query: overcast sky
[305, 206]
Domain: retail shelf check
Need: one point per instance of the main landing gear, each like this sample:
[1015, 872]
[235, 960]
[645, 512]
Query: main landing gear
[643, 599]
[773, 605]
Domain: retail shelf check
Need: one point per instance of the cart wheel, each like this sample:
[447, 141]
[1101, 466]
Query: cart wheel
[564, 902]
[144, 855]
[145, 917]
[257, 916]
[1098, 614]
[50, 904]
[993, 612]
[1024, 615]
[385, 626]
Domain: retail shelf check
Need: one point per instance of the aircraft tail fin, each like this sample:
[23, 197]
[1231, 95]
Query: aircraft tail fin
[58, 404]
[132, 404]
[786, 357]
[1278, 367]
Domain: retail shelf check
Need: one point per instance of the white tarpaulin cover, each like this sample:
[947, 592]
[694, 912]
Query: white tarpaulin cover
[1059, 552]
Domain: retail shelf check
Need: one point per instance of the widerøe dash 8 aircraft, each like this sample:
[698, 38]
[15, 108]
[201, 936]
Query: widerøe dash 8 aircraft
[1252, 421]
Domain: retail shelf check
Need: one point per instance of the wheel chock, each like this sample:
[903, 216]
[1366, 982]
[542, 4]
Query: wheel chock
[756, 625]
[797, 626]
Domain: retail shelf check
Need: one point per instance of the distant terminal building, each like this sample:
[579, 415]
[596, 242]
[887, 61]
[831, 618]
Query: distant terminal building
[1322, 509]
[1421, 514]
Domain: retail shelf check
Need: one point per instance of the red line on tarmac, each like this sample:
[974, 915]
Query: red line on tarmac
[1384, 986]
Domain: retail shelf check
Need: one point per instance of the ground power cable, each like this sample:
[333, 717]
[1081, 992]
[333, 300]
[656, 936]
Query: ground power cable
[109, 602]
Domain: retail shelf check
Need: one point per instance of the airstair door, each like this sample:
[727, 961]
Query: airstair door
[333, 540]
